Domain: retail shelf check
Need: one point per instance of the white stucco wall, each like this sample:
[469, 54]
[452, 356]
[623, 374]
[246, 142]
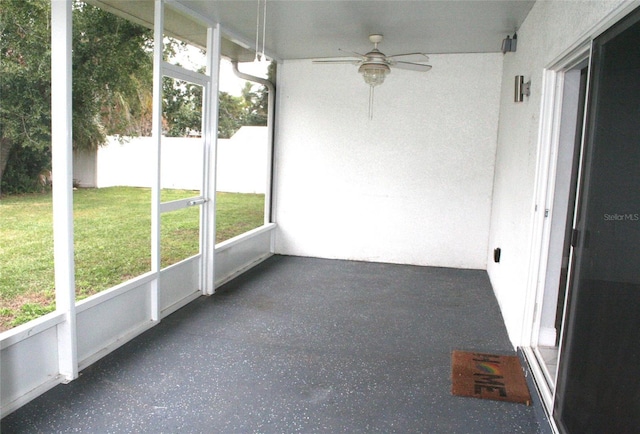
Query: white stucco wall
[550, 28]
[412, 186]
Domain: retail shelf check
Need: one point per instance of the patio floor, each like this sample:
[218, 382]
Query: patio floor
[299, 345]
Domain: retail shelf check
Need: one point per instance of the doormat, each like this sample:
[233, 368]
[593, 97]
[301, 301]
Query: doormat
[488, 376]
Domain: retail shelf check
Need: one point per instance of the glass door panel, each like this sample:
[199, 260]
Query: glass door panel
[179, 235]
[181, 171]
[598, 388]
[547, 338]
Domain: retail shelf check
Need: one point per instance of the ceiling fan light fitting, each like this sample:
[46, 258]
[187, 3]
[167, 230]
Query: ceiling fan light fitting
[374, 74]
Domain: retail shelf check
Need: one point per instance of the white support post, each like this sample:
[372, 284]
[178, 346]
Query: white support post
[158, 34]
[62, 174]
[210, 128]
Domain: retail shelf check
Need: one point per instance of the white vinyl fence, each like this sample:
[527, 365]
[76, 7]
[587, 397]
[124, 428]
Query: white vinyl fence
[242, 163]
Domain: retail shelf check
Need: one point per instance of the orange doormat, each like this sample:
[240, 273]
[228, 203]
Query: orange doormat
[488, 376]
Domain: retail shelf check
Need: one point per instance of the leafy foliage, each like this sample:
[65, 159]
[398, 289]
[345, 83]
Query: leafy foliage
[112, 75]
[230, 114]
[182, 104]
[182, 107]
[257, 102]
[255, 113]
[25, 117]
[250, 108]
[112, 62]
[111, 59]
[22, 174]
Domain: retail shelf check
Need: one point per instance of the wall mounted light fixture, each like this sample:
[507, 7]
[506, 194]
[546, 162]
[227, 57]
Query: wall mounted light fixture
[521, 89]
[510, 44]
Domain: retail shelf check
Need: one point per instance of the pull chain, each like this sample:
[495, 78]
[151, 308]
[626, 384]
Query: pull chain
[260, 53]
[257, 31]
[264, 28]
[371, 90]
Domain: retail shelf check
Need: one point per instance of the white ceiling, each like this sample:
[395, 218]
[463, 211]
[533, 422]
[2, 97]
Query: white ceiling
[319, 28]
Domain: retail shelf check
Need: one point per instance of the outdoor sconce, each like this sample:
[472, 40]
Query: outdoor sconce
[521, 89]
[510, 44]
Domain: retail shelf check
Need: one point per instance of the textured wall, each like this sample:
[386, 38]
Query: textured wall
[413, 185]
[549, 30]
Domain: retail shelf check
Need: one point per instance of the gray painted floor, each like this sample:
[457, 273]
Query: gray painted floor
[298, 345]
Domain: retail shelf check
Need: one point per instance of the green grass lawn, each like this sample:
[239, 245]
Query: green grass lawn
[112, 231]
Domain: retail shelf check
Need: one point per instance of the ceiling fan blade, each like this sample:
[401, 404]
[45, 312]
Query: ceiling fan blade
[412, 66]
[415, 57]
[344, 60]
[362, 56]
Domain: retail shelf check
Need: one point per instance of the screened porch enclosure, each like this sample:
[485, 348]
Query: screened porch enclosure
[447, 193]
[81, 332]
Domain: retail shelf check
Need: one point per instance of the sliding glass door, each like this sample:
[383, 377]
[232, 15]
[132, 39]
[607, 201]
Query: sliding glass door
[597, 387]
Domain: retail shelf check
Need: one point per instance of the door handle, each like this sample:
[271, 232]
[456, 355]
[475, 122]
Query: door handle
[195, 202]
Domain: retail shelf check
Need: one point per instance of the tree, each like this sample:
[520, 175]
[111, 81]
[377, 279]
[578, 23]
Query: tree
[112, 74]
[254, 113]
[255, 104]
[111, 58]
[229, 115]
[182, 103]
[182, 107]
[250, 108]
[25, 77]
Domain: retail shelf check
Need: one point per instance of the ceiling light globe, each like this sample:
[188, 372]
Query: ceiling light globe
[374, 74]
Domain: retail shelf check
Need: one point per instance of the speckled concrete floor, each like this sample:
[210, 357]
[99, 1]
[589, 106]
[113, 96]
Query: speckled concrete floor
[298, 345]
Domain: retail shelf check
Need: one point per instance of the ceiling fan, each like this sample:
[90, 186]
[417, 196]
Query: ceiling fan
[375, 65]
